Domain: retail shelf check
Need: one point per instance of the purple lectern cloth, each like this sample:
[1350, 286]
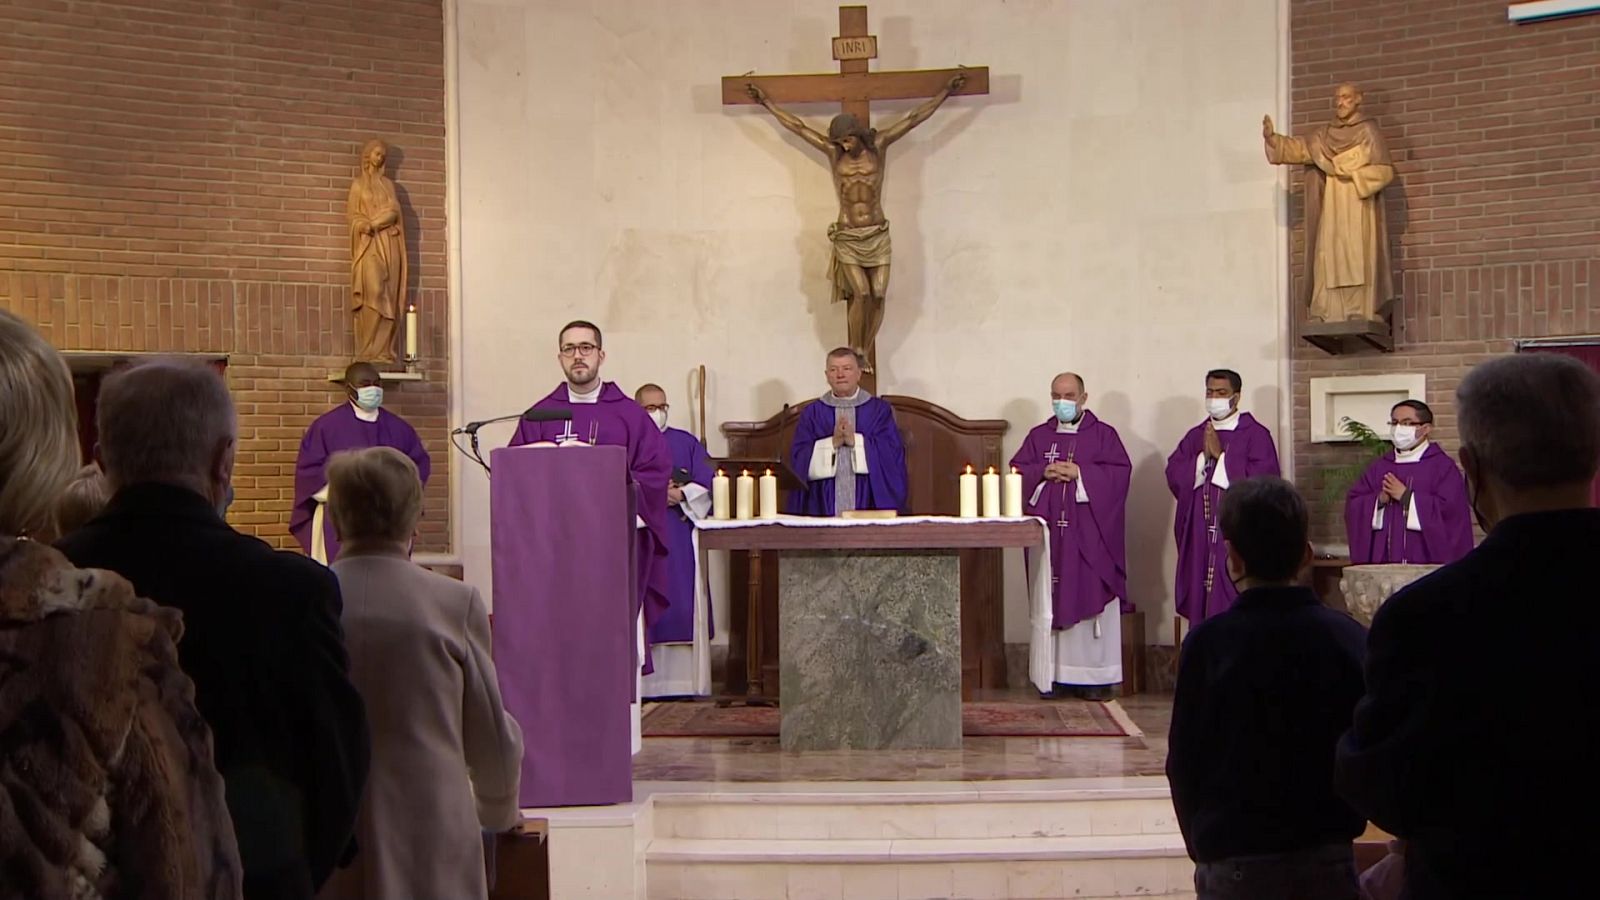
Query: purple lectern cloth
[1440, 494]
[335, 430]
[565, 635]
[1248, 452]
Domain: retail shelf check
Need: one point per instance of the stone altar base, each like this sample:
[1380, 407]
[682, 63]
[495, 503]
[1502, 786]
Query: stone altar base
[870, 643]
[1366, 588]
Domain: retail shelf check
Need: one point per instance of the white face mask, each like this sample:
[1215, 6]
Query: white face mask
[1405, 437]
[659, 416]
[369, 398]
[1218, 408]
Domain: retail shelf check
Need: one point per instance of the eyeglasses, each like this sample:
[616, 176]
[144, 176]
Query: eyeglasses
[652, 407]
[571, 350]
[1393, 423]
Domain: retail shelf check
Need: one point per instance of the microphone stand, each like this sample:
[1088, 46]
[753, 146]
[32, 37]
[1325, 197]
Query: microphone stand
[471, 431]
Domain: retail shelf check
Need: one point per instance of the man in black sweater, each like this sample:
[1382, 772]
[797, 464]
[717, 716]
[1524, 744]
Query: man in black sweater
[1264, 691]
[1481, 677]
[262, 639]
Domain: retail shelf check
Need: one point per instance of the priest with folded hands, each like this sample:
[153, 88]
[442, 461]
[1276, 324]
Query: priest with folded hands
[1075, 475]
[1410, 505]
[847, 447]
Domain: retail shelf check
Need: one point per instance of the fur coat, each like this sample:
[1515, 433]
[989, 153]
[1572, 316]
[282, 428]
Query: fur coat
[107, 787]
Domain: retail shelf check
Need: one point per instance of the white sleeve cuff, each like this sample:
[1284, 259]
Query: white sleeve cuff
[1199, 470]
[696, 501]
[638, 522]
[322, 495]
[1413, 519]
[1377, 516]
[1083, 492]
[823, 464]
[860, 448]
[1219, 476]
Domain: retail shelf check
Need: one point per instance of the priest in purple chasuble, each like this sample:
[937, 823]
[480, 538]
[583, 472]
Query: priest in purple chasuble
[1075, 475]
[603, 414]
[356, 424]
[688, 499]
[1410, 506]
[847, 447]
[1229, 446]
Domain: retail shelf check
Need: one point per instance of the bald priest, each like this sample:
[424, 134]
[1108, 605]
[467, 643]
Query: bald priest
[1075, 475]
[847, 447]
[358, 423]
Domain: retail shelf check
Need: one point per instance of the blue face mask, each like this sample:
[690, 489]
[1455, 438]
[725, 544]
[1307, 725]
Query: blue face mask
[369, 398]
[1066, 410]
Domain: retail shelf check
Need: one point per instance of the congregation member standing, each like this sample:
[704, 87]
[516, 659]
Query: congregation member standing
[262, 639]
[1264, 691]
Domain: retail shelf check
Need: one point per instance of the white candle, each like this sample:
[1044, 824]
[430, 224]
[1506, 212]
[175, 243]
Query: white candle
[769, 496]
[411, 332]
[744, 490]
[969, 495]
[1014, 494]
[719, 496]
[991, 494]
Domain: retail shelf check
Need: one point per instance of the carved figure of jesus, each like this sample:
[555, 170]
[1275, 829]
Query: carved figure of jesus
[858, 267]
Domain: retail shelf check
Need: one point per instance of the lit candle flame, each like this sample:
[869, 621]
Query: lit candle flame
[769, 473]
[745, 473]
[991, 470]
[1014, 471]
[721, 474]
[411, 307]
[969, 468]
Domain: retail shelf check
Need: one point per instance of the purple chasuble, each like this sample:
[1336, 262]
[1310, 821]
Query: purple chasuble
[617, 420]
[884, 485]
[676, 626]
[1202, 588]
[1088, 541]
[1440, 496]
[335, 430]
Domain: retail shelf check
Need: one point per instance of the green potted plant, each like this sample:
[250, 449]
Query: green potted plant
[1337, 480]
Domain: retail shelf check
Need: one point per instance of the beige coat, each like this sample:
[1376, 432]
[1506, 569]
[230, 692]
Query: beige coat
[446, 756]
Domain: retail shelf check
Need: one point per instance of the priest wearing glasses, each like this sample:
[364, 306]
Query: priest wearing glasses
[1410, 506]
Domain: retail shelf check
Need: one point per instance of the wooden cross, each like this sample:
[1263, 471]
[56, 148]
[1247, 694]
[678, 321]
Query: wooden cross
[854, 88]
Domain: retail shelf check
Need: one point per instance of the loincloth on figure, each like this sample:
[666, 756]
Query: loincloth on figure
[866, 246]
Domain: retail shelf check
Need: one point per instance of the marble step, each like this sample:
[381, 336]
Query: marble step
[908, 813]
[1149, 866]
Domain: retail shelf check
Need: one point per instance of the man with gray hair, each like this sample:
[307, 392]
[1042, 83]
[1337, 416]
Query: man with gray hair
[1469, 666]
[262, 639]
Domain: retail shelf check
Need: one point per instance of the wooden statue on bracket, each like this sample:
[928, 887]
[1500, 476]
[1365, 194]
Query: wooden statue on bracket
[1348, 276]
[377, 257]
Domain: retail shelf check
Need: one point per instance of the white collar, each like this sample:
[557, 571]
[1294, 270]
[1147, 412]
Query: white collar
[591, 397]
[1069, 427]
[1412, 455]
[365, 416]
[1228, 424]
[853, 395]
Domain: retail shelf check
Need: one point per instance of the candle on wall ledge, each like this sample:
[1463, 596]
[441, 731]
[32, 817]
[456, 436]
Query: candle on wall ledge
[1014, 494]
[969, 494]
[744, 489]
[769, 496]
[719, 495]
[411, 331]
[991, 494]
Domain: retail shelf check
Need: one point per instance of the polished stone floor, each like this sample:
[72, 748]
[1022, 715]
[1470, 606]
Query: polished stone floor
[979, 759]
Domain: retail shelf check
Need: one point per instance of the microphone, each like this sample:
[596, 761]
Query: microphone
[527, 415]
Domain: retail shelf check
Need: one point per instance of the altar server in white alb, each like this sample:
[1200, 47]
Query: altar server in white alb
[1075, 475]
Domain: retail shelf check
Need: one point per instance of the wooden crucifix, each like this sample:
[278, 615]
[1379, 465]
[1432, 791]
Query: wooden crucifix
[858, 265]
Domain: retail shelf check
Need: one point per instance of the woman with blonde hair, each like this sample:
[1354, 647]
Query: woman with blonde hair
[82, 499]
[446, 756]
[108, 788]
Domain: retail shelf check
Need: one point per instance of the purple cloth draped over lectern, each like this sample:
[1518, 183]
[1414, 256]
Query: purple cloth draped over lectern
[676, 626]
[617, 420]
[565, 632]
[1088, 541]
[1440, 495]
[884, 485]
[336, 430]
[1247, 452]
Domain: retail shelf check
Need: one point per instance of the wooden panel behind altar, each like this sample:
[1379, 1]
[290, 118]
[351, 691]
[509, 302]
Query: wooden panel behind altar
[939, 444]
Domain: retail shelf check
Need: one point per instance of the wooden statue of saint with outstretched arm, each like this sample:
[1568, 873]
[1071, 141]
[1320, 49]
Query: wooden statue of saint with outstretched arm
[858, 266]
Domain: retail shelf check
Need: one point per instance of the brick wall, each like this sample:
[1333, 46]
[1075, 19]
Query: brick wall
[173, 177]
[1495, 209]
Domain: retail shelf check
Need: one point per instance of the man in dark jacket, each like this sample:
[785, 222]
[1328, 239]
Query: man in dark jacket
[1264, 691]
[1471, 669]
[262, 639]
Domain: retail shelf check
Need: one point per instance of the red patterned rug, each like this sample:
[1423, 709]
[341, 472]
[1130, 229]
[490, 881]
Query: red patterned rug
[1062, 718]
